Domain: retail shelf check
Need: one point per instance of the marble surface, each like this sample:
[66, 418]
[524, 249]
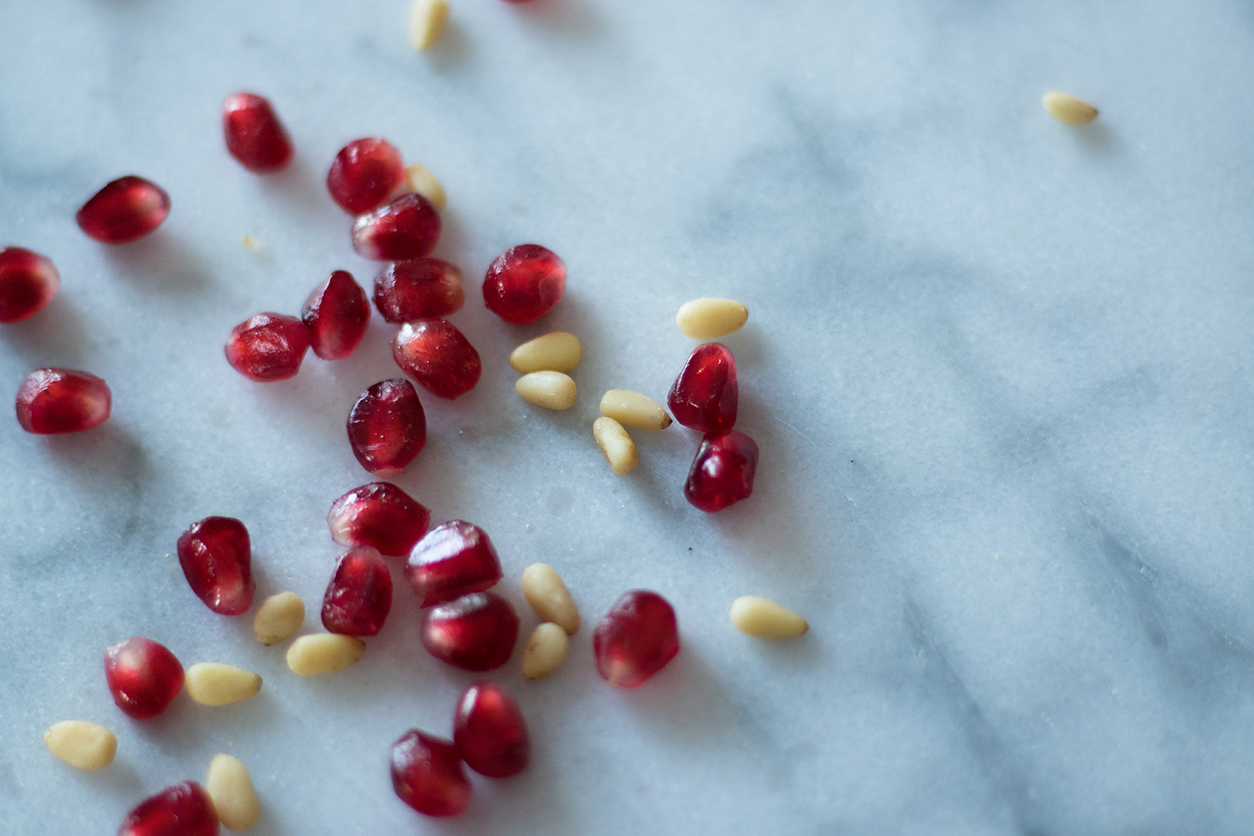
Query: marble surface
[999, 370]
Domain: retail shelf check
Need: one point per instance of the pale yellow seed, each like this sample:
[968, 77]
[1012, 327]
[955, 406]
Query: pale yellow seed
[421, 181]
[616, 445]
[279, 617]
[1068, 109]
[251, 243]
[551, 390]
[212, 683]
[81, 744]
[234, 797]
[707, 319]
[321, 653]
[766, 619]
[556, 352]
[426, 23]
[634, 410]
[545, 651]
[547, 594]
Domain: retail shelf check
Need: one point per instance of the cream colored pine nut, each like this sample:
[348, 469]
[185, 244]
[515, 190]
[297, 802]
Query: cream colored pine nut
[426, 23]
[616, 445]
[234, 797]
[279, 617]
[555, 352]
[321, 653]
[421, 181]
[1068, 109]
[634, 410]
[551, 390]
[547, 594]
[766, 619]
[707, 319]
[81, 744]
[545, 651]
[212, 683]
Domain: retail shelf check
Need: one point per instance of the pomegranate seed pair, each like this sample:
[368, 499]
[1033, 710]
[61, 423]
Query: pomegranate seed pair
[55, 401]
[28, 282]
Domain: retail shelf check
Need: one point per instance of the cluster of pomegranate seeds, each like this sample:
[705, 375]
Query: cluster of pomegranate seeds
[387, 427]
[364, 173]
[125, 210]
[524, 283]
[380, 515]
[475, 632]
[184, 809]
[489, 731]
[143, 676]
[28, 282]
[438, 356]
[722, 472]
[54, 401]
[636, 639]
[216, 557]
[453, 559]
[427, 774]
[254, 134]
[418, 289]
[705, 395]
[359, 597]
[337, 314]
[268, 347]
[406, 228]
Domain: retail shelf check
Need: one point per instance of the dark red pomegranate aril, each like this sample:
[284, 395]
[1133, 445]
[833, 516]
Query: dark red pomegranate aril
[216, 556]
[475, 632]
[438, 356]
[380, 515]
[359, 597]
[254, 134]
[143, 676]
[705, 395]
[636, 639]
[184, 809]
[54, 401]
[406, 228]
[418, 289]
[524, 283]
[28, 282]
[387, 427]
[125, 210]
[722, 472]
[364, 173]
[268, 347]
[453, 559]
[489, 731]
[427, 774]
[337, 314]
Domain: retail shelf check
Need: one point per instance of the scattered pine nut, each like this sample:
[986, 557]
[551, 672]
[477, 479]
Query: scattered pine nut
[212, 683]
[321, 653]
[545, 651]
[547, 594]
[426, 23]
[251, 243]
[1068, 109]
[555, 352]
[234, 797]
[708, 319]
[616, 445]
[766, 619]
[421, 181]
[551, 390]
[81, 744]
[279, 617]
[634, 410]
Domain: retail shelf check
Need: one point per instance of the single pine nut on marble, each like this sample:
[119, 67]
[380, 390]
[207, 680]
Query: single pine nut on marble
[555, 352]
[634, 410]
[212, 683]
[426, 23]
[545, 651]
[81, 744]
[616, 445]
[421, 181]
[320, 653]
[708, 319]
[1068, 109]
[278, 618]
[230, 785]
[547, 594]
[551, 390]
[766, 619]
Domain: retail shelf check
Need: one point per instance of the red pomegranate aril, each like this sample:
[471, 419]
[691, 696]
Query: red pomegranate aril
[359, 597]
[524, 283]
[406, 228]
[380, 515]
[475, 632]
[489, 731]
[254, 134]
[387, 427]
[337, 314]
[427, 774]
[636, 639]
[28, 282]
[54, 401]
[418, 289]
[143, 676]
[125, 210]
[216, 556]
[185, 809]
[438, 356]
[364, 173]
[722, 472]
[451, 560]
[268, 347]
[705, 395]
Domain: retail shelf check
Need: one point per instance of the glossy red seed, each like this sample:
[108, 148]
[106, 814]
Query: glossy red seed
[143, 676]
[53, 401]
[364, 173]
[359, 597]
[475, 632]
[453, 559]
[427, 774]
[380, 515]
[438, 356]
[125, 210]
[722, 472]
[418, 289]
[184, 809]
[254, 134]
[387, 427]
[489, 731]
[217, 561]
[406, 228]
[28, 282]
[337, 314]
[704, 397]
[636, 639]
[524, 283]
[268, 347]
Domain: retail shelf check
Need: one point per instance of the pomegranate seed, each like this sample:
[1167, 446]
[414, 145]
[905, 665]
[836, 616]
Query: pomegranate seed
[359, 596]
[722, 472]
[267, 347]
[28, 281]
[524, 283]
[453, 559]
[387, 427]
[181, 810]
[475, 632]
[143, 676]
[438, 356]
[381, 515]
[406, 228]
[489, 732]
[337, 314]
[418, 289]
[254, 134]
[636, 639]
[364, 173]
[427, 774]
[125, 210]
[216, 557]
[704, 396]
[52, 401]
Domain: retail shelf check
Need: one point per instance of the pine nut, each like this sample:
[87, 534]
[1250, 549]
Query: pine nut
[81, 744]
[321, 653]
[279, 617]
[1068, 109]
[547, 594]
[545, 651]
[634, 410]
[707, 319]
[551, 390]
[212, 683]
[616, 445]
[234, 797]
[555, 352]
[421, 181]
[766, 619]
[426, 23]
